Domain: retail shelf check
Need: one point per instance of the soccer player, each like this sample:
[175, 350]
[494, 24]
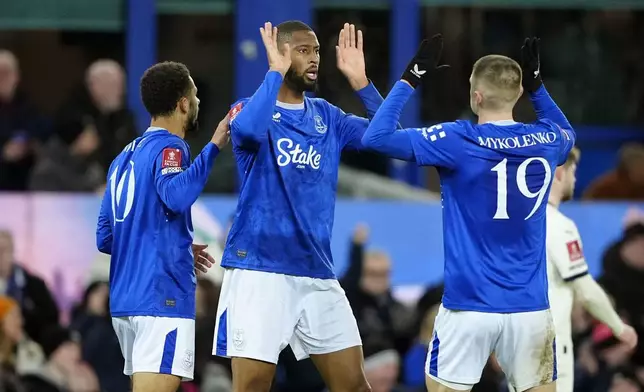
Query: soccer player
[279, 286]
[568, 277]
[145, 224]
[495, 178]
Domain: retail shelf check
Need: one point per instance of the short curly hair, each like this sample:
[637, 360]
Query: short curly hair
[163, 85]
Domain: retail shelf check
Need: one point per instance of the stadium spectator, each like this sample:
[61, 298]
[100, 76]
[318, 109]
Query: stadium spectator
[39, 309]
[20, 127]
[63, 371]
[10, 335]
[626, 182]
[623, 274]
[384, 323]
[99, 345]
[91, 129]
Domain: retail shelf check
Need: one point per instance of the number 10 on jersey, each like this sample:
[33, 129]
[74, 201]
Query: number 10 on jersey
[501, 170]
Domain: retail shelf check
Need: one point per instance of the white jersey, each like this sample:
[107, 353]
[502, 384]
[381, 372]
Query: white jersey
[566, 263]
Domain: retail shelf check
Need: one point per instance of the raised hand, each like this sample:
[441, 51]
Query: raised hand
[531, 64]
[350, 56]
[279, 59]
[427, 58]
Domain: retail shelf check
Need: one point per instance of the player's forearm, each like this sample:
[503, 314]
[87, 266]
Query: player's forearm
[371, 99]
[180, 191]
[546, 108]
[252, 122]
[598, 304]
[381, 134]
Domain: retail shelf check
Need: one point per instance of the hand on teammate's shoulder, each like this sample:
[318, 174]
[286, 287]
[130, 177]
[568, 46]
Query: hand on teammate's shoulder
[221, 137]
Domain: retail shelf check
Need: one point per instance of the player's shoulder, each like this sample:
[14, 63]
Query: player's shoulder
[323, 106]
[236, 107]
[558, 222]
[458, 128]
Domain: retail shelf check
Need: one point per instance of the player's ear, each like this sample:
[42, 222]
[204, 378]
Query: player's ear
[520, 92]
[183, 105]
[559, 173]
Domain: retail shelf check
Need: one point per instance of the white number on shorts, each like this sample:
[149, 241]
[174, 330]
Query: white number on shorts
[120, 207]
[502, 186]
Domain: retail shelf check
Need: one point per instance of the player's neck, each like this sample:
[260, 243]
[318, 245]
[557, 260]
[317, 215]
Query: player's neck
[554, 199]
[169, 124]
[488, 116]
[288, 95]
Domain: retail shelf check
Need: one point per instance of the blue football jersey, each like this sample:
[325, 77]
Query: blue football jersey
[495, 181]
[145, 224]
[286, 206]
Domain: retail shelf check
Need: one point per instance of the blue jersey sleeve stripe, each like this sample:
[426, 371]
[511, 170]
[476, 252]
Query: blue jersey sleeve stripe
[169, 348]
[222, 335]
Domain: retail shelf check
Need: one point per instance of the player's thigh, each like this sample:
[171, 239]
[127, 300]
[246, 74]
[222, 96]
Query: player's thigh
[165, 346]
[256, 319]
[526, 350]
[327, 332]
[342, 370]
[125, 333]
[153, 382]
[461, 346]
[250, 375]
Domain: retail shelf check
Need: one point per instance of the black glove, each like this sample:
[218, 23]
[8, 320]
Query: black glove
[427, 58]
[530, 63]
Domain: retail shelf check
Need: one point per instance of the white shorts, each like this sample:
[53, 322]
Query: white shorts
[161, 345]
[259, 313]
[524, 345]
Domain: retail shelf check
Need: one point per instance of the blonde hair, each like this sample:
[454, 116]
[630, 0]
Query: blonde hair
[498, 78]
[573, 157]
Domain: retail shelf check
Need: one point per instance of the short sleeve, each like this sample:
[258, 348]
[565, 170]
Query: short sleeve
[566, 253]
[439, 145]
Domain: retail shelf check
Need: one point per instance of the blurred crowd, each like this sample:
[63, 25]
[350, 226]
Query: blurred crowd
[38, 353]
[72, 151]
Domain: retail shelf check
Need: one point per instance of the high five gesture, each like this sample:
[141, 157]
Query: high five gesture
[350, 56]
[279, 59]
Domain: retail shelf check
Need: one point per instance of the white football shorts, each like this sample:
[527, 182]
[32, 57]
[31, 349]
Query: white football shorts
[163, 345]
[523, 343]
[259, 313]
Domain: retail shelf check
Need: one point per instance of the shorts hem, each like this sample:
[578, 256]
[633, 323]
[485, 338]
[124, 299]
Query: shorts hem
[329, 350]
[442, 380]
[165, 371]
[535, 384]
[254, 357]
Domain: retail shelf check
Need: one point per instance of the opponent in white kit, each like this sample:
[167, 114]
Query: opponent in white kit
[568, 277]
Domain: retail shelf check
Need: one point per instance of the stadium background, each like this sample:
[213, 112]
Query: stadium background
[388, 217]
